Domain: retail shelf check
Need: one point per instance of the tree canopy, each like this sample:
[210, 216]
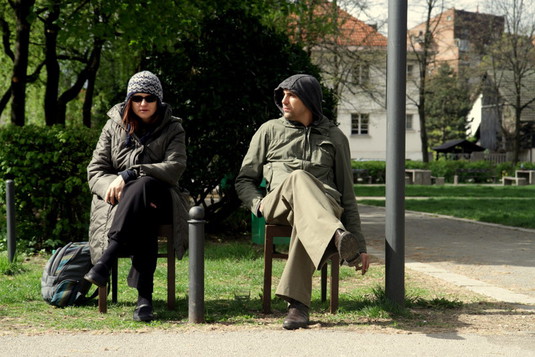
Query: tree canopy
[448, 104]
[221, 83]
[218, 62]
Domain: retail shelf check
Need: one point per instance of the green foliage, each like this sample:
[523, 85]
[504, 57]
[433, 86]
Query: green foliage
[447, 104]
[221, 83]
[483, 171]
[449, 168]
[48, 166]
[376, 169]
[10, 268]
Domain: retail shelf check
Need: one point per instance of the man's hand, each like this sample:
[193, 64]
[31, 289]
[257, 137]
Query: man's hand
[364, 263]
[113, 193]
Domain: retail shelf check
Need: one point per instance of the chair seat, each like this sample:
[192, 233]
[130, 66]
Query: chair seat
[165, 233]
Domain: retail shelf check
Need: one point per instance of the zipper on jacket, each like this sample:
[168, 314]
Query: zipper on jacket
[306, 148]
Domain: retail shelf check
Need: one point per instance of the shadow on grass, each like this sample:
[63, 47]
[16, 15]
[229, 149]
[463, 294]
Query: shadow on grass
[371, 313]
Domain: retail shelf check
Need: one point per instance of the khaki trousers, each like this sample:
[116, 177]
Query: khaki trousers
[302, 202]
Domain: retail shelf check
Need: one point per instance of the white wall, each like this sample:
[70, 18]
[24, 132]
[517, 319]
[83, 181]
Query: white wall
[372, 146]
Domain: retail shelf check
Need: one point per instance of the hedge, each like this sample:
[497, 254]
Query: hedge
[442, 168]
[52, 198]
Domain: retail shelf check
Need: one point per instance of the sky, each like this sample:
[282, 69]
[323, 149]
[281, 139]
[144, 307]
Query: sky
[378, 10]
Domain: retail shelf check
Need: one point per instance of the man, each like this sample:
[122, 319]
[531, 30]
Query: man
[305, 161]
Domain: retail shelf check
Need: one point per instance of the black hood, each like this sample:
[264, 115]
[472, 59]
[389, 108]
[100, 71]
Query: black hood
[307, 88]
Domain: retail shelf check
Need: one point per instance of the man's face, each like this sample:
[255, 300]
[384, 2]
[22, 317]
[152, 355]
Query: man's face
[294, 108]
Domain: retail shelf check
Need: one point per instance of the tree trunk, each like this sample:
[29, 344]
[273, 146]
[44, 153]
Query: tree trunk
[94, 64]
[20, 64]
[4, 100]
[52, 66]
[421, 105]
[516, 136]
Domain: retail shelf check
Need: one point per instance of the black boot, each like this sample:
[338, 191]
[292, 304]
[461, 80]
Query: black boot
[143, 311]
[297, 316]
[100, 272]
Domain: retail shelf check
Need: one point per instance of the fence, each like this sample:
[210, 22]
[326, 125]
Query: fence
[495, 158]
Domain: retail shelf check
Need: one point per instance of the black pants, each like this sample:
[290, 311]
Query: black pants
[145, 204]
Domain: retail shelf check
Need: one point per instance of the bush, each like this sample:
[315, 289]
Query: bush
[447, 168]
[376, 169]
[52, 198]
[221, 84]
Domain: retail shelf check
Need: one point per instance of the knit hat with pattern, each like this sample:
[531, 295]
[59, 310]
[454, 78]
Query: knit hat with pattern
[144, 82]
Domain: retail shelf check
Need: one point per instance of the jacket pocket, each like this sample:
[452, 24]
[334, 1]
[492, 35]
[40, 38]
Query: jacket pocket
[323, 154]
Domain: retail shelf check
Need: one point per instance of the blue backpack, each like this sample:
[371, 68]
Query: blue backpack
[63, 283]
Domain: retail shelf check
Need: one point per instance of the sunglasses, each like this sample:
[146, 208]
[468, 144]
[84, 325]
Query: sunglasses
[148, 99]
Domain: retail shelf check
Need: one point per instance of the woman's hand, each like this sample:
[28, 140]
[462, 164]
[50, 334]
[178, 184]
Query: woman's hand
[113, 193]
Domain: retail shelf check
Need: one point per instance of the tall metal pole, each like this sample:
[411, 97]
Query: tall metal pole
[10, 215]
[196, 265]
[395, 151]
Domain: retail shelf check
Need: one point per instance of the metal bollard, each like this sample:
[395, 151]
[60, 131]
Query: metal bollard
[10, 215]
[196, 265]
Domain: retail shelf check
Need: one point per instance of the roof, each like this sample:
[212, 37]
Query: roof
[352, 31]
[458, 146]
[506, 86]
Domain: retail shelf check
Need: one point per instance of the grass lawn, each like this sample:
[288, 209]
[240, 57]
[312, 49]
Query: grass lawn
[233, 286]
[508, 205]
[233, 281]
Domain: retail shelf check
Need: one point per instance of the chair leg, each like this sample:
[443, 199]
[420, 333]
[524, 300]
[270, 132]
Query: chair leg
[276, 231]
[335, 283]
[165, 231]
[114, 277]
[324, 272]
[171, 274]
[102, 296]
[268, 267]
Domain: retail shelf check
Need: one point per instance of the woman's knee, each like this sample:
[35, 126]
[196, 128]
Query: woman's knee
[144, 185]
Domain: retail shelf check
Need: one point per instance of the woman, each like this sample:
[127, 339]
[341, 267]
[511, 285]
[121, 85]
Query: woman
[133, 176]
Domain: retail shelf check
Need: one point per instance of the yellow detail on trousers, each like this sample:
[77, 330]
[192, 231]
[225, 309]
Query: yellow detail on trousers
[302, 202]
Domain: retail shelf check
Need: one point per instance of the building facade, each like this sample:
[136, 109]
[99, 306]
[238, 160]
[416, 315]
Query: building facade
[354, 65]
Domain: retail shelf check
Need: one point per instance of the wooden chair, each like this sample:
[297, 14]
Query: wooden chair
[165, 232]
[272, 231]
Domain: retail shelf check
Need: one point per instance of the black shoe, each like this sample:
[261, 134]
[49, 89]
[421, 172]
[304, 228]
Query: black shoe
[297, 316]
[348, 247]
[143, 313]
[98, 275]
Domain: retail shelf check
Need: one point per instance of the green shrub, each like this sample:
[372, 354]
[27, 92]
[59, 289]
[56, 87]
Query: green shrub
[447, 169]
[376, 169]
[52, 198]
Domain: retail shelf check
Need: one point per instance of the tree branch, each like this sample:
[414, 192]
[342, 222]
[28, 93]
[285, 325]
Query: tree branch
[6, 34]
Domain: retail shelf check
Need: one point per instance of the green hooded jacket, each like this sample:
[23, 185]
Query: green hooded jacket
[281, 146]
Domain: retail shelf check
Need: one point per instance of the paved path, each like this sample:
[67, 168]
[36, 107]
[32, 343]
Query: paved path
[492, 260]
[299, 343]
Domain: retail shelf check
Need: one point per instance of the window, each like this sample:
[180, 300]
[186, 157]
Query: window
[360, 123]
[463, 45]
[361, 74]
[408, 122]
[410, 71]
